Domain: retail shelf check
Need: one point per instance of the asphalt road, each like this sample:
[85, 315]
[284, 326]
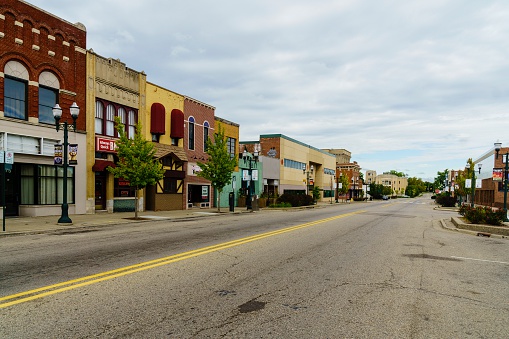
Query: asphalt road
[379, 269]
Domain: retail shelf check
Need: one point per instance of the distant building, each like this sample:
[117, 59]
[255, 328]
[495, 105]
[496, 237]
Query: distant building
[397, 184]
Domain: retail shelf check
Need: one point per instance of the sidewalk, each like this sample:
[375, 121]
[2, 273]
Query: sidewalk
[36, 225]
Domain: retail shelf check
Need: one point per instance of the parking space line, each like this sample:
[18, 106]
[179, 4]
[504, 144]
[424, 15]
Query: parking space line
[492, 261]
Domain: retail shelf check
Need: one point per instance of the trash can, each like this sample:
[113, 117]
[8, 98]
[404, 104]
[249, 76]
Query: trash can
[254, 203]
[231, 201]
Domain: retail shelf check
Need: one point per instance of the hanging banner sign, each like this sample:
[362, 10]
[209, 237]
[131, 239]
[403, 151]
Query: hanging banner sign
[478, 183]
[58, 155]
[73, 153]
[245, 175]
[468, 183]
[254, 175]
[498, 174]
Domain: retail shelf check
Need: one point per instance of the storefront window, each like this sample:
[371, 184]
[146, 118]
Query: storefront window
[123, 189]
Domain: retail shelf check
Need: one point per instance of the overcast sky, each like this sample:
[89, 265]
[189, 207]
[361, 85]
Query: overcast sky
[413, 86]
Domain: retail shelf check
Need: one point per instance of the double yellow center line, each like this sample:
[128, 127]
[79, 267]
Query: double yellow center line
[22, 297]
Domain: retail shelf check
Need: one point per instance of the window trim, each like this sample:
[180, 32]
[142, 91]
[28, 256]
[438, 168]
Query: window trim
[25, 99]
[191, 136]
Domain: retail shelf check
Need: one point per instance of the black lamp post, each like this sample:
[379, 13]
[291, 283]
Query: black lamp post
[498, 146]
[57, 114]
[251, 160]
[331, 188]
[307, 176]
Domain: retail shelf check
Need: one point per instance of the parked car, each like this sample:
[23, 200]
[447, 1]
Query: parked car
[385, 197]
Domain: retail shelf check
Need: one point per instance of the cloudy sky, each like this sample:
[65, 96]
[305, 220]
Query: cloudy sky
[413, 86]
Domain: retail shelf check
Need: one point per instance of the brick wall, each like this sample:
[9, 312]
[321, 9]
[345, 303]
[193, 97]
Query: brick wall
[43, 42]
[201, 113]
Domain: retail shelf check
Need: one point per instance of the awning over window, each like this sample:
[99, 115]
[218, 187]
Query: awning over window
[100, 165]
[157, 115]
[177, 123]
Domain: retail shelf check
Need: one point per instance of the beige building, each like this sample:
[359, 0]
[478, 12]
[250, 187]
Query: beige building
[397, 184]
[301, 167]
[113, 90]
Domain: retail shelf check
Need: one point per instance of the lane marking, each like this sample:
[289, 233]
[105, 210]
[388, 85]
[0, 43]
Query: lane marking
[492, 261]
[119, 272]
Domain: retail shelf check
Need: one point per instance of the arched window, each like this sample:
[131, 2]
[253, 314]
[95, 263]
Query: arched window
[15, 90]
[105, 113]
[191, 133]
[48, 96]
[205, 135]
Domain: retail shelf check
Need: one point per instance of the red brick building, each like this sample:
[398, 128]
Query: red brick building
[42, 63]
[199, 121]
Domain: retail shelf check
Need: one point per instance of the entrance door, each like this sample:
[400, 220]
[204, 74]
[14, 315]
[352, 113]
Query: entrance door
[12, 189]
[100, 190]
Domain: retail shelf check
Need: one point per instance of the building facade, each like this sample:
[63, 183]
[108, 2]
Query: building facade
[301, 167]
[42, 63]
[113, 91]
[164, 119]
[397, 184]
[199, 121]
[231, 133]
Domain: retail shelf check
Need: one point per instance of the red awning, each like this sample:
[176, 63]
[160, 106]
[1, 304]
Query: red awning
[157, 115]
[177, 124]
[100, 165]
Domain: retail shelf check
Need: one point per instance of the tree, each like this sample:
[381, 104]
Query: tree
[220, 166]
[345, 184]
[415, 187]
[316, 193]
[398, 174]
[136, 162]
[440, 179]
[376, 190]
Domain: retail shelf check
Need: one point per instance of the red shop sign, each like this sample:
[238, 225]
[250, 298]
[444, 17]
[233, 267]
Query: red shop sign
[105, 145]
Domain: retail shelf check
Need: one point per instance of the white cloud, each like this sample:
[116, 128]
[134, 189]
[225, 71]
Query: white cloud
[414, 85]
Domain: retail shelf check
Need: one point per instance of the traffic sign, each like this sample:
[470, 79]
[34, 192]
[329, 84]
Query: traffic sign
[9, 157]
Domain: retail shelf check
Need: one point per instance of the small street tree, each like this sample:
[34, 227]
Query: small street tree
[344, 180]
[136, 162]
[220, 166]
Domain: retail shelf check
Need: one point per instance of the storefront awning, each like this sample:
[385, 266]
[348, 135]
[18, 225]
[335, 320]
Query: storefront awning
[100, 165]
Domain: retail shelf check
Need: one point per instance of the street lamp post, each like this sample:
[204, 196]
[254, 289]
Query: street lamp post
[307, 176]
[251, 160]
[331, 189]
[336, 191]
[57, 114]
[498, 146]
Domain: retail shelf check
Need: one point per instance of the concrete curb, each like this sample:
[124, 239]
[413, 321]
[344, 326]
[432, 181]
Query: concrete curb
[475, 230]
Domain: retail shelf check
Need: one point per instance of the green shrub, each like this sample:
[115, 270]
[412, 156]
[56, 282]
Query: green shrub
[281, 205]
[296, 200]
[482, 215]
[445, 200]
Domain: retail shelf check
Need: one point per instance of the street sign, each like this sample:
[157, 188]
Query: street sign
[9, 157]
